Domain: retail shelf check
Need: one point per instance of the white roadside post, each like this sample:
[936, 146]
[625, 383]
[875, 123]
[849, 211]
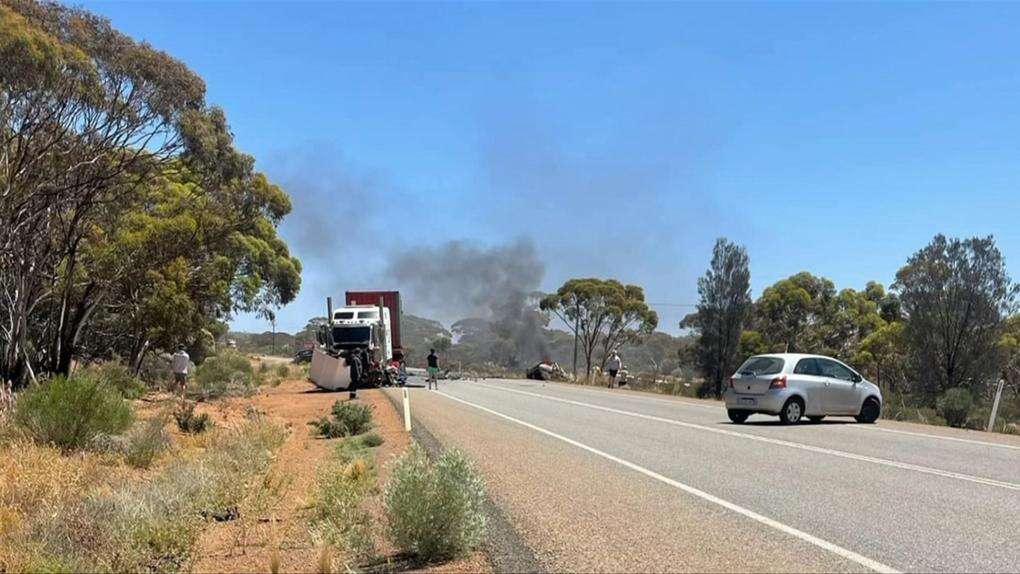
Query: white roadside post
[995, 407]
[407, 411]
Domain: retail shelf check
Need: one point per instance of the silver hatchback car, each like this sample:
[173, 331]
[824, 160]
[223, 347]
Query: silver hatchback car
[794, 386]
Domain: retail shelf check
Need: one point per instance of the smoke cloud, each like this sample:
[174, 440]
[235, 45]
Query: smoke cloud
[461, 279]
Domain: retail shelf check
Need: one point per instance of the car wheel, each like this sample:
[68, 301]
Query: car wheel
[738, 417]
[870, 411]
[792, 411]
[816, 419]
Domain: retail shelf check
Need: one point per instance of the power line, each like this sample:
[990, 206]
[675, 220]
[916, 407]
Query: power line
[674, 304]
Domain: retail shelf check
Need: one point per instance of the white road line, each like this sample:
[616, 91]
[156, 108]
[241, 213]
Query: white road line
[939, 437]
[823, 544]
[801, 446]
[631, 395]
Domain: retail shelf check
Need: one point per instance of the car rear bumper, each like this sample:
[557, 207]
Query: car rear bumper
[769, 403]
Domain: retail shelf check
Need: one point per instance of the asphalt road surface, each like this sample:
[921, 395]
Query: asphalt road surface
[599, 480]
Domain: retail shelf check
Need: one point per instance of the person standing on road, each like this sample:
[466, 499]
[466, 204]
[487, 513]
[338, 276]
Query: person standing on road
[179, 363]
[613, 367]
[433, 369]
[354, 360]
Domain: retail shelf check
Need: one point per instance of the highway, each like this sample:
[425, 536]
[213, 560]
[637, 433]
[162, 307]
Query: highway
[600, 480]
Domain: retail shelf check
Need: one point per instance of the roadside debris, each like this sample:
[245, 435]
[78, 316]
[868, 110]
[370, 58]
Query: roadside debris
[547, 370]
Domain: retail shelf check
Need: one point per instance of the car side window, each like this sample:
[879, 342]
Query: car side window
[835, 370]
[806, 367]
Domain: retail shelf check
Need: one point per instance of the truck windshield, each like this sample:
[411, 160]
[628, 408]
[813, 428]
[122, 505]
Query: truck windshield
[343, 315]
[351, 335]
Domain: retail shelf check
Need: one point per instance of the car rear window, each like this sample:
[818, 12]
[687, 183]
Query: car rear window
[761, 366]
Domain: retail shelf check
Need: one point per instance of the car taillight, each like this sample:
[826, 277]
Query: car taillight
[778, 383]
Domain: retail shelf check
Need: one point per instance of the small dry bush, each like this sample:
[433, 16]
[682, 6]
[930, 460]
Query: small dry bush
[190, 423]
[70, 412]
[283, 371]
[371, 440]
[339, 515]
[347, 418]
[146, 441]
[435, 509]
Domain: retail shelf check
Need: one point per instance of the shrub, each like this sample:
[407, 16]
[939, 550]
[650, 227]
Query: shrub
[348, 419]
[120, 377]
[70, 412]
[227, 374]
[435, 510]
[146, 441]
[954, 406]
[372, 440]
[190, 423]
[339, 515]
[282, 371]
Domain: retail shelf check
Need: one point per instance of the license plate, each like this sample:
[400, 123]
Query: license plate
[747, 401]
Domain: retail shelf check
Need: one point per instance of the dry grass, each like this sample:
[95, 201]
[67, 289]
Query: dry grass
[91, 512]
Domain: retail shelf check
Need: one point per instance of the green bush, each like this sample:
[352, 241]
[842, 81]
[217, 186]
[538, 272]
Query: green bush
[146, 441]
[371, 440]
[435, 510]
[120, 377]
[70, 412]
[228, 374]
[348, 419]
[190, 423]
[954, 406]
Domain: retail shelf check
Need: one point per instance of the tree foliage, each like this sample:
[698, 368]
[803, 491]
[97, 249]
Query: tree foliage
[603, 313]
[125, 210]
[955, 294]
[723, 309]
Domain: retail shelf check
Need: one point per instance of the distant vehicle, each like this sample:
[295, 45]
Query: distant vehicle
[794, 386]
[303, 356]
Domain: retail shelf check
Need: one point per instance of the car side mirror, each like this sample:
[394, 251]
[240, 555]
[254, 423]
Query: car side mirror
[856, 378]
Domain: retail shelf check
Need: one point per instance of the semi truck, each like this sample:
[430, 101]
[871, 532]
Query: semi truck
[369, 321]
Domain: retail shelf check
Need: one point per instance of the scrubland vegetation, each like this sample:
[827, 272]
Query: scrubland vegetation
[428, 510]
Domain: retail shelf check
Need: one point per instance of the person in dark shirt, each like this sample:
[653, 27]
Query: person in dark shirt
[354, 359]
[433, 362]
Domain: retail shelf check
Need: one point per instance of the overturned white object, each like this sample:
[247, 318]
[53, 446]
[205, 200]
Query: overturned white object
[327, 372]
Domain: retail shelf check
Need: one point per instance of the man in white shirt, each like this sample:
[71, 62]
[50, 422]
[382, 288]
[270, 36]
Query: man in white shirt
[613, 367]
[179, 365]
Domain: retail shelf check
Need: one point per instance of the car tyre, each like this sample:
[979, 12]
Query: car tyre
[816, 419]
[792, 411]
[870, 411]
[738, 417]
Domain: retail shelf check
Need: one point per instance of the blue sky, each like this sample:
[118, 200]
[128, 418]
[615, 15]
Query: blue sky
[621, 139]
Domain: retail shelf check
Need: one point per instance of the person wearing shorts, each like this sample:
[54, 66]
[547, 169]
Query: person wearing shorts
[433, 369]
[179, 364]
[613, 367]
